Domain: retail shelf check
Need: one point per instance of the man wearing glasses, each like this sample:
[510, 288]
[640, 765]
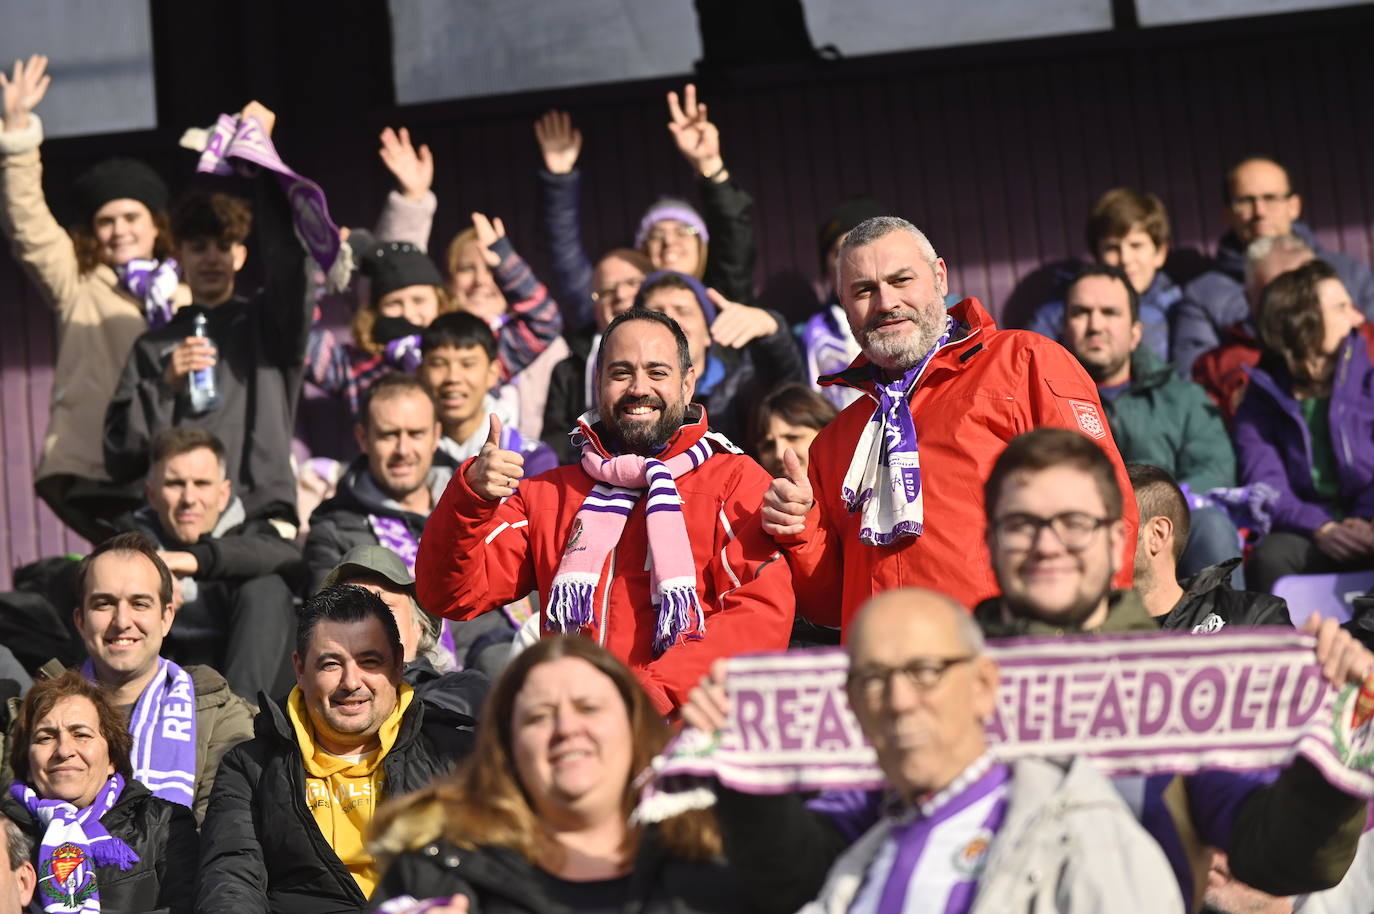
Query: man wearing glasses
[1259, 202]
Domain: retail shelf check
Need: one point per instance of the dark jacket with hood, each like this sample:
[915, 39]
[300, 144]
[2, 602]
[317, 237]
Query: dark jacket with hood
[501, 881]
[261, 365]
[160, 832]
[341, 522]
[261, 848]
[1216, 299]
[1210, 603]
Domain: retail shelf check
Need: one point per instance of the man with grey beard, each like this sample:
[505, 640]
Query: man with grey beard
[652, 543]
[893, 493]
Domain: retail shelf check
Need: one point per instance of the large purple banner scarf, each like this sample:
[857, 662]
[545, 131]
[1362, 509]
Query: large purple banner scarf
[238, 144]
[1136, 704]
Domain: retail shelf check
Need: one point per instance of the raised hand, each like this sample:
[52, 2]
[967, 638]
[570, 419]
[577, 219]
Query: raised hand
[788, 499]
[559, 141]
[697, 138]
[412, 168]
[489, 231]
[494, 473]
[24, 90]
[739, 325]
[191, 354]
[265, 116]
[708, 707]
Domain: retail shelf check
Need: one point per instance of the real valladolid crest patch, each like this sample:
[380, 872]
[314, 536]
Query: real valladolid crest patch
[67, 879]
[1135, 704]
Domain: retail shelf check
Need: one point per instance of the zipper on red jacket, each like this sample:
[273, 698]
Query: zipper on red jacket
[606, 601]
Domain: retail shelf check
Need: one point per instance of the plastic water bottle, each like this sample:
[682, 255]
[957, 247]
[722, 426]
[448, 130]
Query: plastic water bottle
[204, 389]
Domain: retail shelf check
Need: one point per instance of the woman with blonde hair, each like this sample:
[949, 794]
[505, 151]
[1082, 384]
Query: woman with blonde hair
[537, 819]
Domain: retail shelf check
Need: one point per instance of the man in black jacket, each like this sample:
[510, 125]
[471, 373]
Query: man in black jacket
[256, 348]
[1205, 602]
[291, 808]
[235, 573]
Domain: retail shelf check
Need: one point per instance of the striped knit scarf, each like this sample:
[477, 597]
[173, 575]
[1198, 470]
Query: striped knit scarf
[600, 521]
[163, 727]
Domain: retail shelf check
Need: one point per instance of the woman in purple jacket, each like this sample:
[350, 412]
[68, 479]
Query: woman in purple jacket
[1306, 427]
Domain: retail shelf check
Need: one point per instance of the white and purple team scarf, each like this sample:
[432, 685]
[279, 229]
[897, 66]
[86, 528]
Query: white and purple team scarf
[830, 347]
[621, 481]
[1136, 704]
[153, 282]
[934, 855]
[244, 139]
[74, 843]
[163, 727]
[884, 476]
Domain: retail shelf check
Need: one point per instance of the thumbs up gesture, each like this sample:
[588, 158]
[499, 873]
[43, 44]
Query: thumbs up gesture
[738, 325]
[788, 499]
[494, 473]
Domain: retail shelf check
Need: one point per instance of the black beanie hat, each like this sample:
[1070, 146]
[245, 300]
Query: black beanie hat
[118, 179]
[394, 265]
[846, 215]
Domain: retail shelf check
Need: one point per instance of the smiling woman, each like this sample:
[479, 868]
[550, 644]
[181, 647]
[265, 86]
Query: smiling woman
[537, 819]
[102, 836]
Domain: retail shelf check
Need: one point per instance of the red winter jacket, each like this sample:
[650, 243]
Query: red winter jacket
[477, 555]
[981, 390]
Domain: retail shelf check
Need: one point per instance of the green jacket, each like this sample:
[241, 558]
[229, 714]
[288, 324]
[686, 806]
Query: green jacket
[1168, 422]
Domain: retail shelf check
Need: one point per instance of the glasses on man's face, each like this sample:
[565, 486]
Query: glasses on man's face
[873, 683]
[662, 234]
[1258, 202]
[610, 291]
[1075, 529]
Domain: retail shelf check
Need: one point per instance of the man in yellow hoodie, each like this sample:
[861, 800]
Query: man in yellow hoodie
[287, 824]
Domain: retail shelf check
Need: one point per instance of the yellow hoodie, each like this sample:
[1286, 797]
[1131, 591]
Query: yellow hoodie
[342, 793]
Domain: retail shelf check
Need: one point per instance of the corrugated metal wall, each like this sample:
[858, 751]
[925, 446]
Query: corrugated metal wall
[998, 162]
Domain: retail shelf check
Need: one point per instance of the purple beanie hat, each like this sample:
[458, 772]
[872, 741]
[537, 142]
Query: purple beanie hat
[668, 208]
[708, 307]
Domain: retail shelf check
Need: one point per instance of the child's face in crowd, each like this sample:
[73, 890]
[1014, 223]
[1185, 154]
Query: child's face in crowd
[780, 435]
[1137, 254]
[125, 231]
[209, 266]
[417, 304]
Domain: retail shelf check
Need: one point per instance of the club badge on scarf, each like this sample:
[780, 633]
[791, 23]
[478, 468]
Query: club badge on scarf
[237, 144]
[1136, 704]
[74, 843]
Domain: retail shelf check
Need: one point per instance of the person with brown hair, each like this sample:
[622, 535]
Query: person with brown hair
[537, 818]
[1306, 427]
[1128, 228]
[256, 349]
[108, 278]
[102, 836]
[790, 416]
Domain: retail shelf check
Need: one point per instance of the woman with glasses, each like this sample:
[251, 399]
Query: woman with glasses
[1306, 428]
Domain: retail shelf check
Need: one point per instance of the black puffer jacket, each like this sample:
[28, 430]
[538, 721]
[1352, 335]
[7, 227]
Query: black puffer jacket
[1210, 604]
[500, 881]
[261, 849]
[162, 833]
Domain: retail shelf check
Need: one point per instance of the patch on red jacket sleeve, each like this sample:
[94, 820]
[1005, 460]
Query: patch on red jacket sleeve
[1089, 419]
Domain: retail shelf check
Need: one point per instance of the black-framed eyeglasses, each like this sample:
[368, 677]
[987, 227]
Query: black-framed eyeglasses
[1256, 201]
[1075, 529]
[873, 683]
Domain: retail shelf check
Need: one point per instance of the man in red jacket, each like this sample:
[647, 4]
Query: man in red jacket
[652, 544]
[893, 497]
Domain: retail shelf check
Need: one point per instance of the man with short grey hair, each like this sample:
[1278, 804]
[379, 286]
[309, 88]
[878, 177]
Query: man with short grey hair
[892, 497]
[17, 877]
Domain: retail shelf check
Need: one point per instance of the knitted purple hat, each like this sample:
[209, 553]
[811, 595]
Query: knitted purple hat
[668, 208]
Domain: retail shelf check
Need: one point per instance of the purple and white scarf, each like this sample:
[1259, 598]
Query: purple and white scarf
[244, 139]
[163, 727]
[621, 480]
[74, 844]
[153, 282]
[884, 476]
[830, 348]
[1137, 704]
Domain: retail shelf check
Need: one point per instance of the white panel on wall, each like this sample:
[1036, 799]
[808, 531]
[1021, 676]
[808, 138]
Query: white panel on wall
[100, 57]
[1173, 12]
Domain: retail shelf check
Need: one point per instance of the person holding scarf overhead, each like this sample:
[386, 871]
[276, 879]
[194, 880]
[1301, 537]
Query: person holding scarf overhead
[891, 497]
[109, 279]
[652, 544]
[105, 843]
